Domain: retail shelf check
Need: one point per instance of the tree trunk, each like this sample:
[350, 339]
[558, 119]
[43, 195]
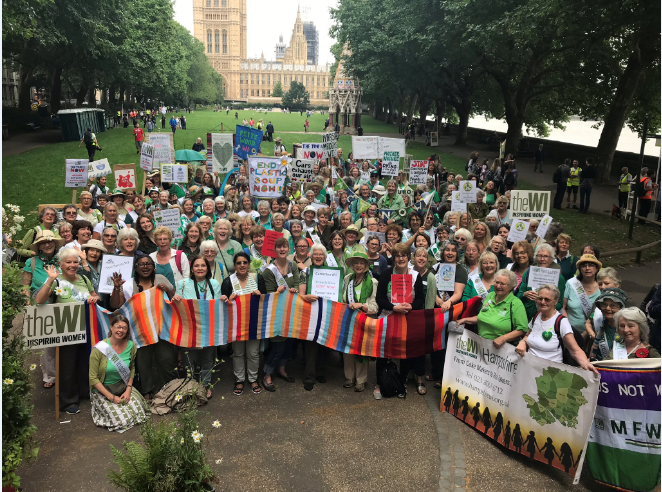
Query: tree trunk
[379, 109]
[423, 108]
[620, 107]
[463, 109]
[389, 116]
[80, 96]
[440, 108]
[411, 107]
[91, 97]
[25, 83]
[515, 119]
[56, 89]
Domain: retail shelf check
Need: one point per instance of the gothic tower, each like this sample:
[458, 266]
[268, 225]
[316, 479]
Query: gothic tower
[297, 52]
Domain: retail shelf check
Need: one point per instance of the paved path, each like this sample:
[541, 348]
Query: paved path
[22, 142]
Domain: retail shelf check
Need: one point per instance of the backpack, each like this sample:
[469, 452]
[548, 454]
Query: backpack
[641, 187]
[390, 382]
[556, 177]
[87, 138]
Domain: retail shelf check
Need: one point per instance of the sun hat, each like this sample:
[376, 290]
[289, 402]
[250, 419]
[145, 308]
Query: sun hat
[358, 254]
[153, 173]
[354, 229]
[589, 259]
[379, 190]
[309, 208]
[219, 198]
[44, 236]
[117, 192]
[154, 188]
[277, 140]
[94, 243]
[309, 186]
[613, 293]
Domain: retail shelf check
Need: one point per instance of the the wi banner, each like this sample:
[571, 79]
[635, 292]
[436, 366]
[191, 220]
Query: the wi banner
[193, 323]
[529, 405]
[624, 444]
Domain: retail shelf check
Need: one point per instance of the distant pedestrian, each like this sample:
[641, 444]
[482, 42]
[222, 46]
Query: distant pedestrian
[586, 186]
[138, 134]
[560, 177]
[150, 126]
[306, 125]
[573, 183]
[91, 144]
[183, 122]
[337, 128]
[539, 159]
[270, 131]
[624, 188]
[163, 120]
[647, 186]
[173, 124]
[236, 115]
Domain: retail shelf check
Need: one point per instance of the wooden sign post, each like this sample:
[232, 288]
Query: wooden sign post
[57, 383]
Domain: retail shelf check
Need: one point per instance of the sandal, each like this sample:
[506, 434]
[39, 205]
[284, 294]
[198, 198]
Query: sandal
[420, 387]
[428, 377]
[285, 377]
[209, 394]
[268, 386]
[437, 384]
[238, 389]
[49, 385]
[255, 387]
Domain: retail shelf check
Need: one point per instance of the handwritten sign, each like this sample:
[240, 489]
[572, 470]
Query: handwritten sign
[221, 153]
[518, 230]
[164, 152]
[539, 276]
[330, 144]
[326, 283]
[310, 151]
[99, 168]
[125, 176]
[247, 142]
[446, 277]
[366, 147]
[391, 145]
[545, 222]
[269, 245]
[266, 176]
[468, 191]
[174, 173]
[301, 171]
[391, 163]
[76, 173]
[401, 289]
[456, 204]
[114, 264]
[146, 157]
[170, 219]
[418, 172]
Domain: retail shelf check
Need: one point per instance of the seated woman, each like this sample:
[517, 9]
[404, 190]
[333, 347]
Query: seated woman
[502, 317]
[548, 335]
[112, 369]
[633, 333]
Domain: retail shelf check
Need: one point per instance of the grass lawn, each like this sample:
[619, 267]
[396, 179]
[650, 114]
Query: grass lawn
[37, 176]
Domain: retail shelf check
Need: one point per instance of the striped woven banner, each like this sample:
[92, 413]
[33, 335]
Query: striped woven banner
[193, 323]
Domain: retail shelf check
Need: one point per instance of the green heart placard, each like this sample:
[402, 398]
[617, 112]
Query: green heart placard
[223, 155]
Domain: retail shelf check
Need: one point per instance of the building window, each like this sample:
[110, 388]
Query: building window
[269, 93]
[209, 41]
[208, 3]
[251, 78]
[224, 3]
[215, 3]
[217, 42]
[252, 92]
[263, 82]
[225, 42]
[241, 78]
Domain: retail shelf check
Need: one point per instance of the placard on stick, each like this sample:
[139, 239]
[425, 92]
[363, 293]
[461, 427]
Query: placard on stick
[301, 171]
[174, 173]
[164, 150]
[146, 157]
[125, 176]
[170, 219]
[418, 172]
[76, 173]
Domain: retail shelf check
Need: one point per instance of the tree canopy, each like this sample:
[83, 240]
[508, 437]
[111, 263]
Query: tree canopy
[297, 97]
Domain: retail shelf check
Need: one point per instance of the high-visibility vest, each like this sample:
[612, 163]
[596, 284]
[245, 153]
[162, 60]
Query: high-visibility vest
[148, 112]
[118, 113]
[649, 193]
[625, 183]
[573, 180]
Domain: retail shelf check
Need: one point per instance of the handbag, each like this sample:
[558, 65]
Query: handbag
[116, 389]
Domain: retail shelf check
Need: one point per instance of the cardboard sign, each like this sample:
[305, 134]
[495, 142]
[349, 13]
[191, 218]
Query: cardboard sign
[518, 231]
[330, 144]
[54, 325]
[539, 276]
[301, 171]
[310, 151]
[267, 175]
[326, 283]
[366, 147]
[76, 173]
[446, 277]
[125, 176]
[221, 152]
[456, 204]
[99, 168]
[170, 219]
[468, 191]
[146, 157]
[391, 163]
[401, 289]
[526, 204]
[164, 151]
[247, 142]
[269, 245]
[543, 227]
[174, 173]
[114, 264]
[418, 172]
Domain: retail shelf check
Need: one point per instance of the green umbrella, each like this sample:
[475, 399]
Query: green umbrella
[187, 155]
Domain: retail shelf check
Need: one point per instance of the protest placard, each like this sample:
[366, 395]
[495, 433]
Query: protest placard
[418, 172]
[366, 147]
[301, 171]
[99, 168]
[247, 142]
[125, 176]
[330, 144]
[401, 288]
[518, 230]
[406, 163]
[390, 163]
[164, 151]
[543, 227]
[54, 325]
[269, 245]
[310, 151]
[386, 214]
[406, 190]
[456, 204]
[527, 204]
[468, 191]
[114, 264]
[365, 176]
[391, 145]
[539, 276]
[446, 277]
[326, 282]
[170, 219]
[221, 153]
[534, 406]
[76, 173]
[174, 173]
[147, 157]
[267, 175]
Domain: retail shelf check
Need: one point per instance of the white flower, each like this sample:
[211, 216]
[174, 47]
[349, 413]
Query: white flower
[60, 291]
[197, 439]
[218, 462]
[19, 219]
[33, 367]
[14, 208]
[182, 441]
[216, 424]
[195, 434]
[8, 381]
[178, 397]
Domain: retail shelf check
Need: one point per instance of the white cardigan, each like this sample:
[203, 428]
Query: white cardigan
[186, 270]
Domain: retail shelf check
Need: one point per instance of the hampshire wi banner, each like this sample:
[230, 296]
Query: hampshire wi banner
[533, 406]
[193, 323]
[624, 445]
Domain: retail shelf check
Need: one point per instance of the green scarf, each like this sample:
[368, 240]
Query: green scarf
[366, 289]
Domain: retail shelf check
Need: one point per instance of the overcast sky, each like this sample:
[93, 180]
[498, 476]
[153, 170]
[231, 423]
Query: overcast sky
[266, 23]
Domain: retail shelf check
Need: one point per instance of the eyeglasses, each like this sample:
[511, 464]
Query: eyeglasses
[143, 265]
[545, 299]
[110, 235]
[241, 263]
[543, 257]
[302, 246]
[71, 213]
[49, 215]
[520, 253]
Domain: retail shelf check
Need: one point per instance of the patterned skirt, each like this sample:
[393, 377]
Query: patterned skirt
[118, 417]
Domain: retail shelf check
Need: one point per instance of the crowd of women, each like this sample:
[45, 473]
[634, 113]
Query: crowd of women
[583, 317]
